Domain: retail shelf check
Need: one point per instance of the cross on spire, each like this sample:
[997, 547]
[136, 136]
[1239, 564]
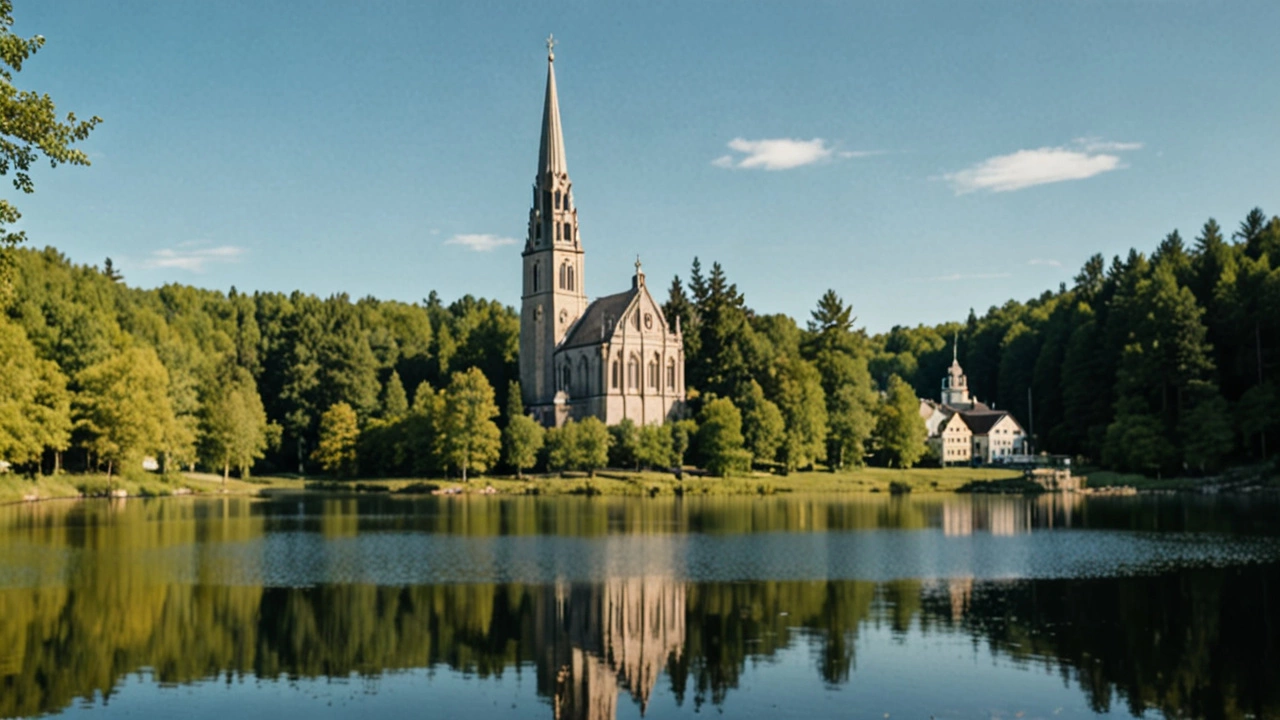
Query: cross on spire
[551, 47]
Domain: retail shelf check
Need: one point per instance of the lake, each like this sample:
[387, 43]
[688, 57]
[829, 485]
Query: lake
[808, 607]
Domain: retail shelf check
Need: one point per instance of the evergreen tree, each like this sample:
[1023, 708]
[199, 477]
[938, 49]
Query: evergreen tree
[339, 430]
[471, 440]
[394, 401]
[900, 431]
[1205, 428]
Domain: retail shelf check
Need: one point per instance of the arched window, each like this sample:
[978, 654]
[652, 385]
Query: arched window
[654, 372]
[571, 278]
[617, 373]
[633, 372]
[671, 374]
[566, 379]
[557, 231]
[536, 267]
[564, 276]
[557, 199]
[568, 232]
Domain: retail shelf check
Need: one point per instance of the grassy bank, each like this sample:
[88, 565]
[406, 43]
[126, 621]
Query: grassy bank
[1251, 476]
[615, 482]
[17, 488]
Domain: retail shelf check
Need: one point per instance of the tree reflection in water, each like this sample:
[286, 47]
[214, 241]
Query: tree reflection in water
[1194, 643]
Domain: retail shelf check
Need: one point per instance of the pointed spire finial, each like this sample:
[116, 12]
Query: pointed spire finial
[955, 347]
[638, 272]
[551, 48]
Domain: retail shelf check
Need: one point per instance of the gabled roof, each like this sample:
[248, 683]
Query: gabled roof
[981, 422]
[597, 323]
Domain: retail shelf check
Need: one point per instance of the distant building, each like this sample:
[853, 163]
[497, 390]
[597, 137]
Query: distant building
[963, 430]
[614, 358]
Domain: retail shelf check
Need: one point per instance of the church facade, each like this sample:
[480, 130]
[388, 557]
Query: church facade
[613, 358]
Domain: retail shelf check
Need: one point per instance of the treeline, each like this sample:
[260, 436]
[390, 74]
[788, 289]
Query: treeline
[97, 374]
[1161, 363]
[1167, 363]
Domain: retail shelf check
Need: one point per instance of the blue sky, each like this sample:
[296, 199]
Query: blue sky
[919, 158]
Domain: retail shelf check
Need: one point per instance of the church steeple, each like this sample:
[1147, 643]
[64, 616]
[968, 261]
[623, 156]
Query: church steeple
[551, 150]
[554, 292]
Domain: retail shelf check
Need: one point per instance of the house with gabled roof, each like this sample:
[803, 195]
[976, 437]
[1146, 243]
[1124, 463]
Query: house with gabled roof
[960, 419]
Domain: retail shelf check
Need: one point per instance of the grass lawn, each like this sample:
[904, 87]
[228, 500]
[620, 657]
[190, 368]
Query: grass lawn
[15, 488]
[620, 482]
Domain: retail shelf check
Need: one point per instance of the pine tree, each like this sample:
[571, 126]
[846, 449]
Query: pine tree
[394, 401]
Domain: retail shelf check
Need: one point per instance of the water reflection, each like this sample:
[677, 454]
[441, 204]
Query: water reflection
[91, 593]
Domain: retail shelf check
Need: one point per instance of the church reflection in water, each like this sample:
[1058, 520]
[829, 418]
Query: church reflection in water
[87, 602]
[592, 640]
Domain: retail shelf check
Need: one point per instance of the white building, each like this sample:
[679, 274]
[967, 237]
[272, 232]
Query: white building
[963, 430]
[615, 357]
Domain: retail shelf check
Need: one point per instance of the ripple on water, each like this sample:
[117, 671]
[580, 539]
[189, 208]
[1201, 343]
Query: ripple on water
[299, 558]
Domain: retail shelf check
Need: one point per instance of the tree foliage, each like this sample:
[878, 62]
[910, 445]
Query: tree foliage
[470, 438]
[31, 130]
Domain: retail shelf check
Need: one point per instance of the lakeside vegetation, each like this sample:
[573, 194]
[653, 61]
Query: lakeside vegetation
[1161, 365]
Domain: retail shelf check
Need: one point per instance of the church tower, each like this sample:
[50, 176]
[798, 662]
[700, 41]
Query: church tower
[553, 297]
[955, 386]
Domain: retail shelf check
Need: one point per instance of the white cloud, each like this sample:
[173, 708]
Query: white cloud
[776, 154]
[480, 242]
[193, 256]
[1093, 144]
[1044, 261]
[1085, 158]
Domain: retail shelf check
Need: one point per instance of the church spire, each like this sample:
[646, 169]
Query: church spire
[551, 150]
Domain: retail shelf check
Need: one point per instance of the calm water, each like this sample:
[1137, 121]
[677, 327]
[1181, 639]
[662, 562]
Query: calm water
[947, 607]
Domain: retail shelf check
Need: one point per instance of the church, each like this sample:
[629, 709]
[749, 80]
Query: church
[965, 430]
[615, 357]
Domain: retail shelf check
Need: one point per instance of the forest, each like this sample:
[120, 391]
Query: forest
[1160, 363]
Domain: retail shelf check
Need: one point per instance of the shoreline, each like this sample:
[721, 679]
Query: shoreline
[623, 483]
